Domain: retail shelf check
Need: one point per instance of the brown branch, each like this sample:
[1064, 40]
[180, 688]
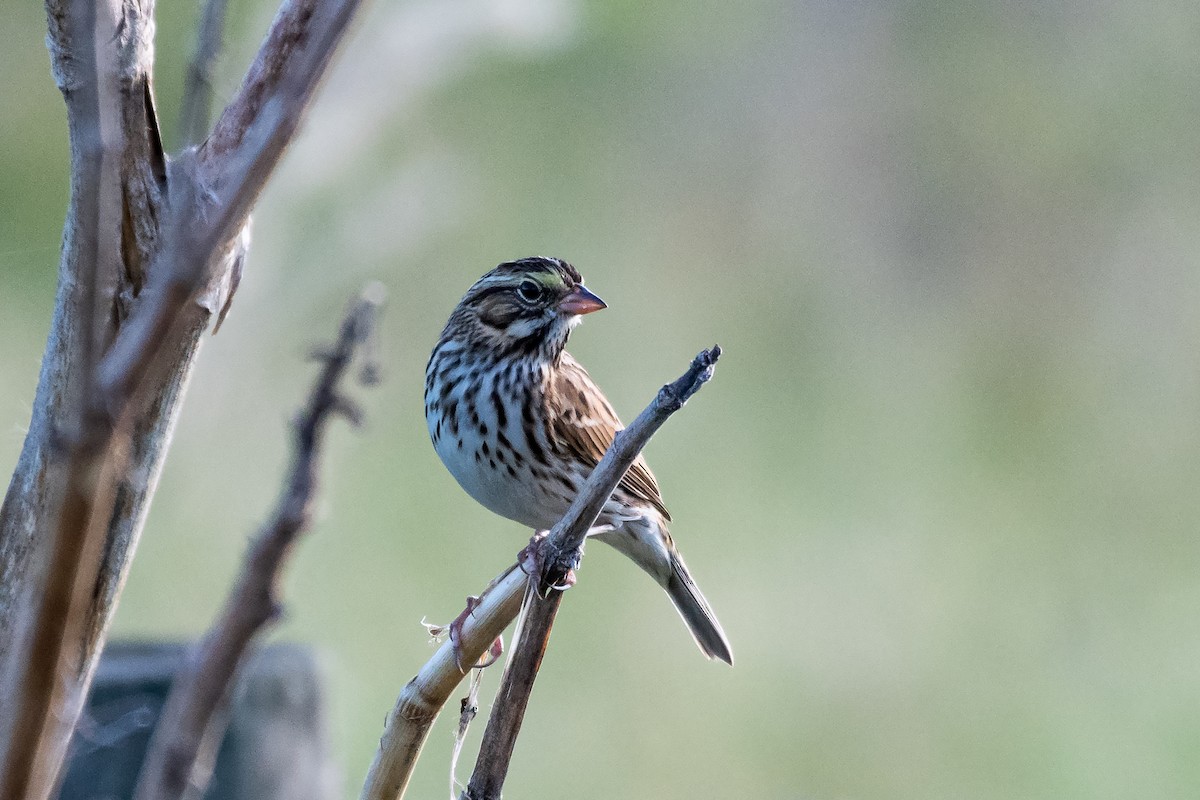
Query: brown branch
[421, 700]
[508, 709]
[564, 544]
[195, 107]
[561, 551]
[190, 721]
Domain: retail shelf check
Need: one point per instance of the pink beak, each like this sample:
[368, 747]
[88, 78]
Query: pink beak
[581, 301]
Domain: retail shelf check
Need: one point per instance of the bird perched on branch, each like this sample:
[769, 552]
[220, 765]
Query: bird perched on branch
[520, 424]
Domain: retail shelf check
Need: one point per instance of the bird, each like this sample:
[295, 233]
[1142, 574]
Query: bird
[520, 424]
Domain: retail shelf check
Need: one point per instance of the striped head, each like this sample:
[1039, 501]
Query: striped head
[522, 308]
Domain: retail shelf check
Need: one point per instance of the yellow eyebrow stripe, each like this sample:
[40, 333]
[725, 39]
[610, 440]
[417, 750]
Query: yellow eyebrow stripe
[550, 280]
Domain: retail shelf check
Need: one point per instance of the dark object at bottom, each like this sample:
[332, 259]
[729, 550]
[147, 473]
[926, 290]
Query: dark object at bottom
[276, 746]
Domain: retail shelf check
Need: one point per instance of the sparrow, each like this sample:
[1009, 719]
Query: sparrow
[520, 424]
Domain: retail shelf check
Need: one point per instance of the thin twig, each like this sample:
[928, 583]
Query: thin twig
[196, 105]
[189, 724]
[421, 700]
[561, 551]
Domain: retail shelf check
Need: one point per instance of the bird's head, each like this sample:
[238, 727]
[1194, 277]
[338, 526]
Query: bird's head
[525, 307]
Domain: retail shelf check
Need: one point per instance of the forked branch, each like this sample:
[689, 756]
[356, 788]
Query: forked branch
[214, 187]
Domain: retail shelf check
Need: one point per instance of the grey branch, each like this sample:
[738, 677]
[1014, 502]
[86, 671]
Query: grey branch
[421, 700]
[40, 662]
[142, 241]
[190, 723]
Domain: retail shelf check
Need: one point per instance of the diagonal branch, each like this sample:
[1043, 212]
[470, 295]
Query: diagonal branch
[563, 546]
[561, 551]
[421, 700]
[189, 723]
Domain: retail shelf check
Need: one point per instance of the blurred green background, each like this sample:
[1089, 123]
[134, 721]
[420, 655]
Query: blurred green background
[943, 492]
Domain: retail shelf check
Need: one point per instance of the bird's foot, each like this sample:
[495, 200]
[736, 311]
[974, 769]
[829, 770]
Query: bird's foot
[454, 633]
[530, 557]
[552, 569]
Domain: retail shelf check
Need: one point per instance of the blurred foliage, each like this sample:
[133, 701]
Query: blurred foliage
[942, 492]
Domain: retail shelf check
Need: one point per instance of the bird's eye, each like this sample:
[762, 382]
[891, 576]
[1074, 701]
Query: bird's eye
[529, 291]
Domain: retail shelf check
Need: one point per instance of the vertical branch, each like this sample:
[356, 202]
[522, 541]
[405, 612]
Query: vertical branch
[189, 723]
[42, 660]
[560, 553]
[122, 342]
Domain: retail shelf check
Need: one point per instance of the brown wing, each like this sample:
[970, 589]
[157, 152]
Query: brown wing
[584, 423]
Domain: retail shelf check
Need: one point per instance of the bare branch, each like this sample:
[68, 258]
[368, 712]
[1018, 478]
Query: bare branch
[189, 723]
[563, 546]
[508, 709]
[42, 657]
[196, 104]
[421, 700]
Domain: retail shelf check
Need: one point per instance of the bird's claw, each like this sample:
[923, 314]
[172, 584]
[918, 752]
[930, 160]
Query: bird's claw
[492, 654]
[566, 582]
[553, 570]
[453, 632]
[454, 629]
[531, 556]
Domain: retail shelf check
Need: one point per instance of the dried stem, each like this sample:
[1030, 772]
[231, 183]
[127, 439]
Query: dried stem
[422, 698]
[468, 708]
[189, 723]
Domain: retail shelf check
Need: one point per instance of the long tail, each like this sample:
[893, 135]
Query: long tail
[647, 542]
[696, 612]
